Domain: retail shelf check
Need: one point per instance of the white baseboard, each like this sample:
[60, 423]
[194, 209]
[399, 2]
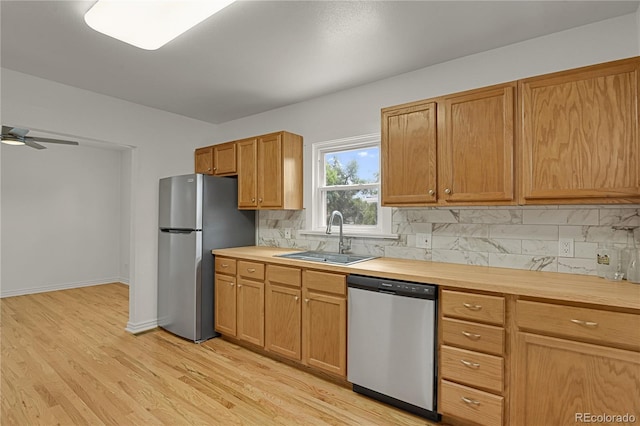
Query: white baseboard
[56, 287]
[123, 280]
[141, 326]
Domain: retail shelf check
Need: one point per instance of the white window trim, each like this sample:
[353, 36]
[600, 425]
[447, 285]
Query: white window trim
[315, 218]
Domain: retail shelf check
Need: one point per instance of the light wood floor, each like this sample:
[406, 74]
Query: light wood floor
[66, 359]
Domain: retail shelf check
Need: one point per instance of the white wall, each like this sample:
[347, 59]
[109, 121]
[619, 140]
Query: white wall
[60, 218]
[162, 144]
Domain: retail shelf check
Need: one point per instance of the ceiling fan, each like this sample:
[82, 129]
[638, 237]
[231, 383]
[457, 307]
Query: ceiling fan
[17, 136]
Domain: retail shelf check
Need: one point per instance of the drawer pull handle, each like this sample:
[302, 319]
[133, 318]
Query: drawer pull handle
[472, 307]
[252, 270]
[470, 401]
[584, 323]
[224, 265]
[471, 336]
[470, 364]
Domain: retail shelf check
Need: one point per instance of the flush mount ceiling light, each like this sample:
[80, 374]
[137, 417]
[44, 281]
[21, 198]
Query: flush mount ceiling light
[150, 24]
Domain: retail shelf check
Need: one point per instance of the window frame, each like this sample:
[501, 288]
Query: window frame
[318, 197]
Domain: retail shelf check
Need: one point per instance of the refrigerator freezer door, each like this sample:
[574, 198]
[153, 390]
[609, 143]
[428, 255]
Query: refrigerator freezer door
[179, 282]
[181, 202]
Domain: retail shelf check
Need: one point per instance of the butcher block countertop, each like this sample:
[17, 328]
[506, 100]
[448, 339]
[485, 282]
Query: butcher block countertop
[547, 285]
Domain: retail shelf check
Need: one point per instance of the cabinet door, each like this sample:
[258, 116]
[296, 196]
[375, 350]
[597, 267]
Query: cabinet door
[408, 147]
[558, 380]
[224, 159]
[247, 173]
[580, 135]
[476, 139]
[270, 171]
[283, 325]
[225, 304]
[251, 311]
[204, 160]
[324, 332]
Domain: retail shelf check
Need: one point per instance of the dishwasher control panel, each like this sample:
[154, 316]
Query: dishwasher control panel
[400, 288]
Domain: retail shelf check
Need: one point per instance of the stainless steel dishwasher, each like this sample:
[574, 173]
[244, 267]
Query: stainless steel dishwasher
[392, 342]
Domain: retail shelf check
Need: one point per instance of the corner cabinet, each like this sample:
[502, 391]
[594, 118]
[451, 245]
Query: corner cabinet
[270, 172]
[573, 362]
[453, 150]
[579, 135]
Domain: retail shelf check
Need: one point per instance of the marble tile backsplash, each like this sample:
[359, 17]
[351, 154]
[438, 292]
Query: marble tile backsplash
[507, 237]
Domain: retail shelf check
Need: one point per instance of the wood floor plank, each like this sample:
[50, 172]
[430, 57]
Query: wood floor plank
[66, 359]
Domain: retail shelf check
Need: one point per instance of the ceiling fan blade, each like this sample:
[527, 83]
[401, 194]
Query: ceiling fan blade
[32, 144]
[16, 131]
[49, 140]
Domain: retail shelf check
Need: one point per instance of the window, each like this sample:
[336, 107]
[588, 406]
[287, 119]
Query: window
[346, 177]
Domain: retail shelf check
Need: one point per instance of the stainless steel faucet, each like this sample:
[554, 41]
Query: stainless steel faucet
[341, 245]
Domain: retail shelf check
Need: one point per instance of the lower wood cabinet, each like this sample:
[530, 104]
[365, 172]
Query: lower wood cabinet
[251, 311]
[283, 320]
[225, 304]
[560, 381]
[295, 313]
[324, 322]
[572, 363]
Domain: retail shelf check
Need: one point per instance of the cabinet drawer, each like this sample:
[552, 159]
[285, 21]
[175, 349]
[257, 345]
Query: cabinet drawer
[469, 335]
[252, 270]
[580, 323]
[472, 368]
[225, 265]
[477, 307]
[284, 275]
[326, 282]
[471, 404]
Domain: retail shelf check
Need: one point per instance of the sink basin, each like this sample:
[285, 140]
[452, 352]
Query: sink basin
[323, 257]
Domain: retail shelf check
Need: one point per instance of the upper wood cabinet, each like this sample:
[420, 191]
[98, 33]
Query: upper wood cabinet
[579, 135]
[270, 172]
[204, 160]
[457, 149]
[476, 144]
[224, 159]
[408, 146]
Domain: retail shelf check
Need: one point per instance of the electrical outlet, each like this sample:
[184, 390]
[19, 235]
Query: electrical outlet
[423, 240]
[565, 247]
[287, 233]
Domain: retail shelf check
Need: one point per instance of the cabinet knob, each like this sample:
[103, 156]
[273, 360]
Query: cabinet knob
[231, 284]
[306, 300]
[239, 285]
[432, 192]
[259, 200]
[253, 200]
[447, 191]
[209, 169]
[296, 298]
[215, 168]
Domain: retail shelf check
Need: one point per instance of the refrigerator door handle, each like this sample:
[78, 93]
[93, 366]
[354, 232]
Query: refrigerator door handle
[177, 231]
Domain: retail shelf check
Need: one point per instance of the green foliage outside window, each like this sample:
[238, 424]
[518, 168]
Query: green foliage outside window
[358, 207]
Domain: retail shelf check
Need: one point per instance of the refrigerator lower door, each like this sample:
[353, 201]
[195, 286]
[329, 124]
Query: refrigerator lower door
[179, 282]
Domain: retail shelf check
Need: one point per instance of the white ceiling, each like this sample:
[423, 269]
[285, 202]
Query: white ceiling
[259, 55]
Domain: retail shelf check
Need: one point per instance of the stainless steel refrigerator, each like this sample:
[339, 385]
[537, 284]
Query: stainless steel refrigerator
[197, 214]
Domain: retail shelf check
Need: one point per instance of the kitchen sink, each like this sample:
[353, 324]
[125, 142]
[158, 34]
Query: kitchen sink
[324, 257]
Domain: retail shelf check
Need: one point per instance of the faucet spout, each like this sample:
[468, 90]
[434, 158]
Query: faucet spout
[341, 245]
